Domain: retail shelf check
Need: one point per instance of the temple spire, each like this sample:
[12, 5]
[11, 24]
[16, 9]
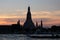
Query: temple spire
[28, 8]
[36, 24]
[18, 22]
[29, 23]
[29, 14]
[41, 24]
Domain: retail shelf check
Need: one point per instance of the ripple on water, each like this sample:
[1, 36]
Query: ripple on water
[19, 37]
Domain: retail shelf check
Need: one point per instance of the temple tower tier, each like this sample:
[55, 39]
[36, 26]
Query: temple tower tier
[28, 23]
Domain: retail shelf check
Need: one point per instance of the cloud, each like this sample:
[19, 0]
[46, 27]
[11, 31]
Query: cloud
[8, 21]
[48, 17]
[35, 14]
[56, 13]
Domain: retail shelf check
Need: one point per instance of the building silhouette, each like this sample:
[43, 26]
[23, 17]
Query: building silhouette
[29, 23]
[41, 24]
[16, 27]
[36, 24]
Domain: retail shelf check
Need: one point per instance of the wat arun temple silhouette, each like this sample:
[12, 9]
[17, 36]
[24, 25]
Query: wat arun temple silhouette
[28, 27]
[29, 23]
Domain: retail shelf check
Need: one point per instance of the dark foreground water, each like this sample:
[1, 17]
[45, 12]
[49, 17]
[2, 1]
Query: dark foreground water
[20, 37]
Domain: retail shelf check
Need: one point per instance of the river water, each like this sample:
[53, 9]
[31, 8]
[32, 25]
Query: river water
[20, 37]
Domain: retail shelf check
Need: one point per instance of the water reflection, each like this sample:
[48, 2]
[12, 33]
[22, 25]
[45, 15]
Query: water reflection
[19, 37]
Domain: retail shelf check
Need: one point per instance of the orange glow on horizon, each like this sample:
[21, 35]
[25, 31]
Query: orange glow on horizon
[51, 16]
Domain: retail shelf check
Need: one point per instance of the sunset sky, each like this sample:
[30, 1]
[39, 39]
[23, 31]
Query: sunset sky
[47, 10]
